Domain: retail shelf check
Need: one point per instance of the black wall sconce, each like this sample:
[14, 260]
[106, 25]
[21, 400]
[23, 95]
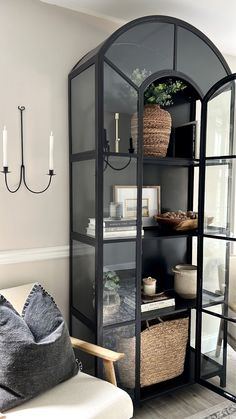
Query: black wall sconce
[5, 170]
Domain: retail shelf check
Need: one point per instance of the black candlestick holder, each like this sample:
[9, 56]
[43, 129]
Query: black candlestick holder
[22, 180]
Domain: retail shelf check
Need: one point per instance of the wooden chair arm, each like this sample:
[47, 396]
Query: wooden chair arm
[2, 416]
[106, 355]
[96, 350]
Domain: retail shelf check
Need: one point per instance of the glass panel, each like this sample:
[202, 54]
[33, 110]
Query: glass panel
[83, 277]
[122, 339]
[120, 112]
[83, 193]
[220, 121]
[80, 331]
[120, 197]
[148, 47]
[83, 111]
[219, 352]
[89, 55]
[220, 196]
[204, 67]
[219, 276]
[119, 279]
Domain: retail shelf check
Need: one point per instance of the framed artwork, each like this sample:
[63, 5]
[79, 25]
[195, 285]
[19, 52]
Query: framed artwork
[127, 195]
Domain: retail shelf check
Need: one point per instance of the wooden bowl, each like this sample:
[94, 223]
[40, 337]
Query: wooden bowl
[180, 225]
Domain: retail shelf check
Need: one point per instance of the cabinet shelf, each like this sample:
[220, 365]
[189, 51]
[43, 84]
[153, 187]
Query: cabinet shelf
[113, 154]
[155, 232]
[171, 161]
[164, 387]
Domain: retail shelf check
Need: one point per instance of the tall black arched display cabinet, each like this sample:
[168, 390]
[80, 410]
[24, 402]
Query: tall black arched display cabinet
[112, 175]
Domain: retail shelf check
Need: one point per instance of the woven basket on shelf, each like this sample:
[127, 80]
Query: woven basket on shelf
[163, 351]
[156, 130]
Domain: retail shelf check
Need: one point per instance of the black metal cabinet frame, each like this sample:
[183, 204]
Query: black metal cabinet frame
[205, 68]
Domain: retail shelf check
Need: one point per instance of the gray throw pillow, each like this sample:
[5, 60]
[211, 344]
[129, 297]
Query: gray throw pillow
[35, 349]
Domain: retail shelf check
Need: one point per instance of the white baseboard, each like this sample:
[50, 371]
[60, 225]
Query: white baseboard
[8, 257]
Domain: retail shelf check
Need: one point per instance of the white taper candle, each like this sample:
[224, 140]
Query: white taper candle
[51, 146]
[4, 141]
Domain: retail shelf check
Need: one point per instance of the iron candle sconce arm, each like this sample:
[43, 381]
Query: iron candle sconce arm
[5, 170]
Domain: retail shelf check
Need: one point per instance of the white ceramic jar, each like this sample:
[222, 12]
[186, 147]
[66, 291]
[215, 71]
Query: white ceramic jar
[149, 285]
[185, 282]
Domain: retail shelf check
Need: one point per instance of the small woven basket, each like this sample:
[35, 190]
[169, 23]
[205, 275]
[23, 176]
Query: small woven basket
[156, 131]
[163, 352]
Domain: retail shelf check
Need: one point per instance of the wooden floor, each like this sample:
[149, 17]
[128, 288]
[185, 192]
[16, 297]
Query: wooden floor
[180, 404]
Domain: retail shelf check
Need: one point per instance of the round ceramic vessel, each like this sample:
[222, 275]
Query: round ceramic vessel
[185, 282]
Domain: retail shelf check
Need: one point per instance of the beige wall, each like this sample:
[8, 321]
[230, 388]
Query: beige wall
[39, 44]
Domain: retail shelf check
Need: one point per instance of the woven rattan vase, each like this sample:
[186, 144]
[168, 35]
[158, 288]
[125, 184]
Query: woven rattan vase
[156, 130]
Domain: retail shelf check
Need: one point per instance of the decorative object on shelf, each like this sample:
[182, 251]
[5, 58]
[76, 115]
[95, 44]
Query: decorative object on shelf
[151, 201]
[117, 139]
[180, 220]
[5, 170]
[163, 351]
[131, 148]
[149, 285]
[157, 301]
[156, 121]
[111, 298]
[185, 282]
[116, 210]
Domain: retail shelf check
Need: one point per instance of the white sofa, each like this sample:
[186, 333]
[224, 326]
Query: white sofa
[81, 397]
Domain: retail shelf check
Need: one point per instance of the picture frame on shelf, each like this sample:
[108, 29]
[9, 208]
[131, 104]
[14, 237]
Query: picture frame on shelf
[127, 194]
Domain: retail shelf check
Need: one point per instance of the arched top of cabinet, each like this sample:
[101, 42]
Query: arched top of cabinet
[156, 44]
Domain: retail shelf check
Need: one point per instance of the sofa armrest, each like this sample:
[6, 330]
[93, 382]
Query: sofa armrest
[106, 355]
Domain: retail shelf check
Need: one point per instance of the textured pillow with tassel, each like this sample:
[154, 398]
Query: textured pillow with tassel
[35, 349]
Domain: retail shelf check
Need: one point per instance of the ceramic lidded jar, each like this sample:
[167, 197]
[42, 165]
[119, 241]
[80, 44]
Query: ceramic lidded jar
[149, 285]
[185, 282]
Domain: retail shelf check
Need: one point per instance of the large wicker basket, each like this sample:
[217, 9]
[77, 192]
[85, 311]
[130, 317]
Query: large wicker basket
[163, 351]
[156, 130]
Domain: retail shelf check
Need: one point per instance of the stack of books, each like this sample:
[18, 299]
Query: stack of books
[125, 227]
[163, 300]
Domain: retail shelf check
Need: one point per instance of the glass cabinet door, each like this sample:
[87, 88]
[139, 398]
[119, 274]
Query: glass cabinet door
[217, 259]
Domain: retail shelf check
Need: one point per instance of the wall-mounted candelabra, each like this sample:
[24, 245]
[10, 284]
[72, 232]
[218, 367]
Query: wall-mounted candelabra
[5, 170]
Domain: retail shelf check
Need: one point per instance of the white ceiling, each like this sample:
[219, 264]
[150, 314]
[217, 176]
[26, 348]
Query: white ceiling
[216, 18]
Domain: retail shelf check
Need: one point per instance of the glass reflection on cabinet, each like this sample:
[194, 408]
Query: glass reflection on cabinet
[220, 122]
[120, 113]
[219, 352]
[219, 276]
[119, 278]
[83, 275]
[220, 197]
[83, 193]
[123, 339]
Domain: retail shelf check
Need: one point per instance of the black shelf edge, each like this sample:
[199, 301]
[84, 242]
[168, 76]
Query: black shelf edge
[114, 154]
[164, 387]
[170, 161]
[219, 237]
[84, 155]
[212, 367]
[83, 238]
[155, 231]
